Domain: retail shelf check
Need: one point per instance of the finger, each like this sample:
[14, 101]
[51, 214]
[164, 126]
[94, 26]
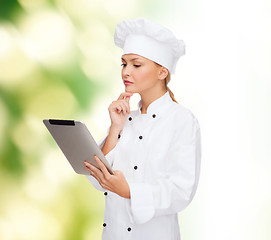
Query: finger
[124, 94]
[118, 107]
[127, 99]
[103, 184]
[123, 106]
[90, 172]
[102, 166]
[95, 171]
[101, 179]
[88, 168]
[127, 106]
[93, 174]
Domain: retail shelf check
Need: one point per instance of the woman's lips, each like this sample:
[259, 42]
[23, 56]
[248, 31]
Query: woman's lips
[127, 83]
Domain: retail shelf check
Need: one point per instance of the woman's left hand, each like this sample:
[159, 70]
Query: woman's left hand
[115, 183]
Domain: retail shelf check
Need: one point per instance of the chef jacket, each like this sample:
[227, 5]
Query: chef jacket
[159, 154]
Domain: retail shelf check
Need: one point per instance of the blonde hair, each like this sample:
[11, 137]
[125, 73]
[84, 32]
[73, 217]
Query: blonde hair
[167, 80]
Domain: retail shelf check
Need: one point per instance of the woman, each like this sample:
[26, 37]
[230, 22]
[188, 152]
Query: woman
[155, 151]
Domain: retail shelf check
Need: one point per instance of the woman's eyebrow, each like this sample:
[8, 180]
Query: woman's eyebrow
[131, 59]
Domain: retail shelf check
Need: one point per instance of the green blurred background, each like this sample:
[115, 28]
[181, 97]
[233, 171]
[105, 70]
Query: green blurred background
[58, 60]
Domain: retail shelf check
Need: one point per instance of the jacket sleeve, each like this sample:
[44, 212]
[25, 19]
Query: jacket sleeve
[109, 157]
[176, 190]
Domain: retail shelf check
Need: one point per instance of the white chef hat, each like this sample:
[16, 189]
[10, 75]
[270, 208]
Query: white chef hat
[150, 40]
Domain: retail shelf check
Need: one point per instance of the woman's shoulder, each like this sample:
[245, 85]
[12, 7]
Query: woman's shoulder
[184, 123]
[181, 112]
[183, 117]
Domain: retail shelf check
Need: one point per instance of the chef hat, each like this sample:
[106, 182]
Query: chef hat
[150, 40]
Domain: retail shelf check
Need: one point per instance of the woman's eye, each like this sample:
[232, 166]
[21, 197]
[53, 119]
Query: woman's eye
[126, 64]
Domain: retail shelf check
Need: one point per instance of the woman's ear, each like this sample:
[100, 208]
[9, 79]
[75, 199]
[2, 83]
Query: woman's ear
[163, 73]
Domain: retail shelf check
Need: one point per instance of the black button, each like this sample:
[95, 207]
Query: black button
[105, 193]
[119, 136]
[129, 229]
[104, 224]
[135, 167]
[130, 119]
[153, 115]
[140, 137]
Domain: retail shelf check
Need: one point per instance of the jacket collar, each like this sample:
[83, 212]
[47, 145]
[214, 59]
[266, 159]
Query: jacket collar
[157, 107]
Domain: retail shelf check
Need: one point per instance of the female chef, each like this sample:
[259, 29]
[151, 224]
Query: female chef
[155, 151]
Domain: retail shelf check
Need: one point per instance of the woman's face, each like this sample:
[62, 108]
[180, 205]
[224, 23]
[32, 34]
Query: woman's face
[142, 72]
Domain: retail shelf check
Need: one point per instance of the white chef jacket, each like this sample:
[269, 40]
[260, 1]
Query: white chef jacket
[159, 154]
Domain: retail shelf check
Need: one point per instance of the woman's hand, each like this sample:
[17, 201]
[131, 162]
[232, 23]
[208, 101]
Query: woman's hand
[115, 183]
[119, 110]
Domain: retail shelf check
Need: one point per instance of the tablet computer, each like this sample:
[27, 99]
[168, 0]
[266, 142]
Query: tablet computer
[77, 143]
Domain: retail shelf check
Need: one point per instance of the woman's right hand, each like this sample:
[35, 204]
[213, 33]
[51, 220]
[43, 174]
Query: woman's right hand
[119, 110]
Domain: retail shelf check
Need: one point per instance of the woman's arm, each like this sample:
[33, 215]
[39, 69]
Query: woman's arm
[118, 111]
[107, 146]
[111, 140]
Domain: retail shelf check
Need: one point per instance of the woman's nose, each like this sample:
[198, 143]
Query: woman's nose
[126, 71]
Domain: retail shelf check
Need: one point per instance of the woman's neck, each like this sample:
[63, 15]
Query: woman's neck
[147, 99]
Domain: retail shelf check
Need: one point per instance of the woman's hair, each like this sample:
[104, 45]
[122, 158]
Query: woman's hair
[167, 79]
